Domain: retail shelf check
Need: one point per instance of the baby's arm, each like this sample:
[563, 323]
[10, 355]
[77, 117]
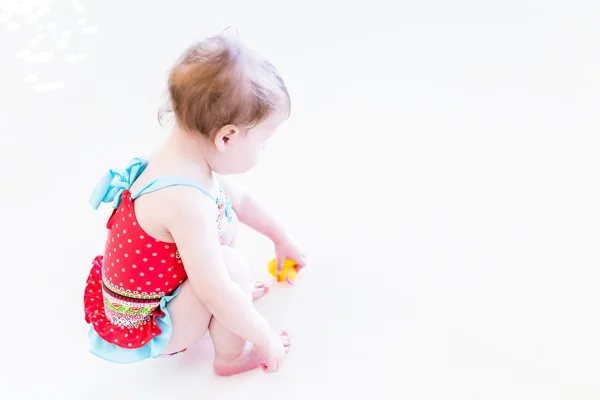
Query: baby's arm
[251, 213]
[189, 218]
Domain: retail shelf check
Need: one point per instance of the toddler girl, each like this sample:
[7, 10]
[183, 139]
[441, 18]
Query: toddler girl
[170, 270]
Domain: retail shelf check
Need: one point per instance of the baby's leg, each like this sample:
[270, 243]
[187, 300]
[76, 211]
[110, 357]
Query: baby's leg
[191, 318]
[229, 239]
[233, 354]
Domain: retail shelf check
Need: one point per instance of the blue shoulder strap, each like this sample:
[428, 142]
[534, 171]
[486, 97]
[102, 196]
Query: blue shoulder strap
[111, 186]
[167, 181]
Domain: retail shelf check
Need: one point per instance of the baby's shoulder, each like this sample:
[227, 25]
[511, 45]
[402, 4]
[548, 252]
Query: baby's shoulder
[159, 211]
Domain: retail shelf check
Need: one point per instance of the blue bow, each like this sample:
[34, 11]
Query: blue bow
[111, 186]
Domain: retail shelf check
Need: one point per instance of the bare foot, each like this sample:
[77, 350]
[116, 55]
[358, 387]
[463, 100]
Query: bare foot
[259, 289]
[246, 361]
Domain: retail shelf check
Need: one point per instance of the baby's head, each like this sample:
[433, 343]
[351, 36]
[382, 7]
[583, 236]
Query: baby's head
[230, 97]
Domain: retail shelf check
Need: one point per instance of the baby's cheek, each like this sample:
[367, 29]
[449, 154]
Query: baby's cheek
[253, 158]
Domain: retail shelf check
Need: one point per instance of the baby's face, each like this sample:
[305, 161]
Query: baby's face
[242, 152]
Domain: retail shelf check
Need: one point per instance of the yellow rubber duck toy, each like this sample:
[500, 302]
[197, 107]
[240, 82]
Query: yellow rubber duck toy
[288, 272]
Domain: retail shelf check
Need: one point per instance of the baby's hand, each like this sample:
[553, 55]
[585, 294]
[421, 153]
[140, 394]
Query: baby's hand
[274, 352]
[288, 248]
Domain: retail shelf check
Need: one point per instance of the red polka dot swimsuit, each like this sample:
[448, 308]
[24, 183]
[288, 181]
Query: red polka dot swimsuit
[126, 285]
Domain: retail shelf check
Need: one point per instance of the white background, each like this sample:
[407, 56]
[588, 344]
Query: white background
[440, 166]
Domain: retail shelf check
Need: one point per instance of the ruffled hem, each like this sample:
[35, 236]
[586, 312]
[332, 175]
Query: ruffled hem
[154, 348]
[120, 336]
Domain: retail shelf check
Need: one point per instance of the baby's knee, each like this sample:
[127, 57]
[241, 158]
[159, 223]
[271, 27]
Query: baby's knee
[232, 256]
[236, 265]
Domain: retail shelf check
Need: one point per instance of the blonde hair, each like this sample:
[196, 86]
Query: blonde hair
[219, 81]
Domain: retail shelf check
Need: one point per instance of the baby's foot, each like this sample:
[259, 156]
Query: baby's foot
[259, 289]
[246, 361]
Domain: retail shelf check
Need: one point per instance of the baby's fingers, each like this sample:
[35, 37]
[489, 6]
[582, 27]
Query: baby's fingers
[263, 367]
[270, 368]
[280, 261]
[301, 263]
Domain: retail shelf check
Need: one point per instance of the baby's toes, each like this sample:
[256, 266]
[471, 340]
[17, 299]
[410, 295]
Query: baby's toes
[285, 339]
[259, 289]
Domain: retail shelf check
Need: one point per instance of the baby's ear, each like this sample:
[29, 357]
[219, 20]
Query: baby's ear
[225, 135]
